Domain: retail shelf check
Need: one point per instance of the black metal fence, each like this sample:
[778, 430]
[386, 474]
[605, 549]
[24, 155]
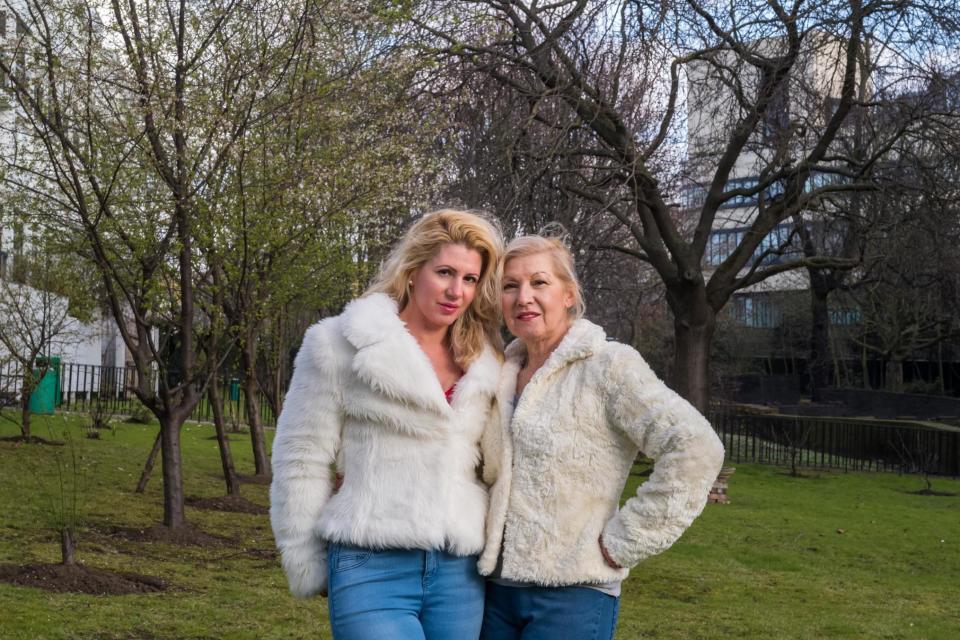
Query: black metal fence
[82, 388]
[849, 443]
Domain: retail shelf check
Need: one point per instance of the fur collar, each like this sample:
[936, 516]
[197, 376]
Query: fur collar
[389, 359]
[583, 339]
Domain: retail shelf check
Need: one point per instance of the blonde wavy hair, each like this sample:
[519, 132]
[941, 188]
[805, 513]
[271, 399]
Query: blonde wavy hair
[563, 265]
[480, 323]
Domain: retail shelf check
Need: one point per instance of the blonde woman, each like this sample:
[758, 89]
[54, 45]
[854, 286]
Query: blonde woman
[395, 393]
[575, 410]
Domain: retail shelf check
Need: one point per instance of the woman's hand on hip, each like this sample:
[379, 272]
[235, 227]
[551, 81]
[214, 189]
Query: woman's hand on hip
[606, 555]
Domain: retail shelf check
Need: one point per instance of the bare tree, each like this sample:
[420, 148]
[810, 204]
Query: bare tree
[132, 112]
[35, 321]
[618, 71]
[306, 179]
[906, 290]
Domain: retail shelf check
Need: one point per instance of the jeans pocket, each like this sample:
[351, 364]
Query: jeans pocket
[349, 557]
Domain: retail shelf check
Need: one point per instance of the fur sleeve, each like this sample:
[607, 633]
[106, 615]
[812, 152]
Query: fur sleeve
[687, 453]
[305, 446]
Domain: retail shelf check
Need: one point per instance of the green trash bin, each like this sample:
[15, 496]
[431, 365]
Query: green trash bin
[46, 395]
[234, 389]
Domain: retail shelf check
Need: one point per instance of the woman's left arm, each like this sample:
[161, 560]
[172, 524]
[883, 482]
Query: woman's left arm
[687, 453]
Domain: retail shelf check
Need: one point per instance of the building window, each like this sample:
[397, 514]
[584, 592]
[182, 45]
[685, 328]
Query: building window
[777, 242]
[757, 311]
[723, 242]
[769, 193]
[844, 317]
[692, 197]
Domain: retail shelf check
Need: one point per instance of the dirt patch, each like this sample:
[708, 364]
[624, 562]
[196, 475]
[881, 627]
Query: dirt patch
[262, 554]
[232, 504]
[186, 536]
[32, 440]
[255, 479]
[78, 578]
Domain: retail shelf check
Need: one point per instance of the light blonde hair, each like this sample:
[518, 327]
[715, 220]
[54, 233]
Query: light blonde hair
[480, 323]
[563, 265]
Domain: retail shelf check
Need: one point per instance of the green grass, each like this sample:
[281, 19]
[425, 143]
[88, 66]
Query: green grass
[769, 565]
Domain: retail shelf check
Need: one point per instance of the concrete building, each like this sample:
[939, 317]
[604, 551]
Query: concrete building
[717, 94]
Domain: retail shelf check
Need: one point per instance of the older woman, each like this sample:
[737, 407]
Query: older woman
[395, 393]
[575, 411]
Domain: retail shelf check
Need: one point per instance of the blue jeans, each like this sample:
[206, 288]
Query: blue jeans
[548, 613]
[403, 594]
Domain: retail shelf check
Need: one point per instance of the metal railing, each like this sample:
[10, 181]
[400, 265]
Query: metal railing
[859, 444]
[82, 388]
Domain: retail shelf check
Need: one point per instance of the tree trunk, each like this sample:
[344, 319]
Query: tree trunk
[26, 390]
[148, 466]
[25, 415]
[248, 359]
[226, 457]
[694, 323]
[174, 515]
[940, 372]
[818, 360]
[67, 545]
[864, 363]
[894, 375]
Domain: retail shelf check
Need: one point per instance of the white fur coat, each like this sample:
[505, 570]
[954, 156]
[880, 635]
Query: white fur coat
[560, 459]
[365, 398]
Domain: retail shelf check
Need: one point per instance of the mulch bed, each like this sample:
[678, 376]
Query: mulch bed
[187, 536]
[78, 578]
[232, 504]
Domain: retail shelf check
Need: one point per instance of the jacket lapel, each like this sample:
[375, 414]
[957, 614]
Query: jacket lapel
[388, 358]
[481, 378]
[582, 340]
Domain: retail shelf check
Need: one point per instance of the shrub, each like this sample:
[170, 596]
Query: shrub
[139, 413]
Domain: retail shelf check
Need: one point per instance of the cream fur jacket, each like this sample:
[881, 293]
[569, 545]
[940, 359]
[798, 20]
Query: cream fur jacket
[559, 460]
[365, 399]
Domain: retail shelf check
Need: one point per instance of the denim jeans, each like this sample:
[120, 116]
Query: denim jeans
[548, 613]
[403, 594]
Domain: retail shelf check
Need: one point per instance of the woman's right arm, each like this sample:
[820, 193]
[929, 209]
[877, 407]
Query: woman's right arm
[305, 447]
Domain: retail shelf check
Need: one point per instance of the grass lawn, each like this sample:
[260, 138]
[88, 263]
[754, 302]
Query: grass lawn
[827, 556]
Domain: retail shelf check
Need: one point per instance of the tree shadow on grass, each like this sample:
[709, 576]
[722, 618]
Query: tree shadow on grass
[932, 492]
[799, 475]
[32, 440]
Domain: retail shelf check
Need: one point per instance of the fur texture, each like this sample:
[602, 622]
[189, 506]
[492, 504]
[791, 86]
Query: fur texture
[364, 397]
[560, 459]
